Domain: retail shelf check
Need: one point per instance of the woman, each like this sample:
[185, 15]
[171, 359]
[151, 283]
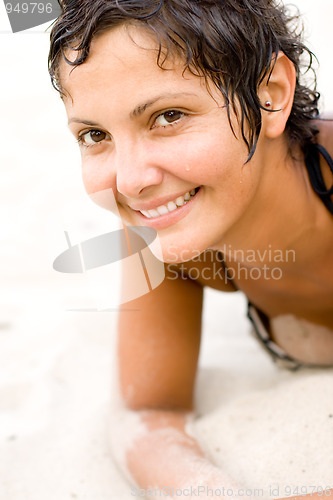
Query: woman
[195, 114]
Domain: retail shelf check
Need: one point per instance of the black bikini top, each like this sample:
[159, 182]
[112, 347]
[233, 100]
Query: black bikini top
[312, 162]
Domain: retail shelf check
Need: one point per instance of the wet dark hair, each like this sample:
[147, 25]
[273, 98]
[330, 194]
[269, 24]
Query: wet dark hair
[233, 43]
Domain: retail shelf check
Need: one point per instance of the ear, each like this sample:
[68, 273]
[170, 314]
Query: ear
[279, 90]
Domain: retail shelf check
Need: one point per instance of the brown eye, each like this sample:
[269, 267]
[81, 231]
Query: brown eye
[97, 135]
[168, 118]
[172, 116]
[93, 137]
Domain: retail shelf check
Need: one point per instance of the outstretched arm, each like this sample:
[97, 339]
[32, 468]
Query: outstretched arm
[158, 350]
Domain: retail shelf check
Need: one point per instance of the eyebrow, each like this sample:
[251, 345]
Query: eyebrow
[86, 122]
[142, 107]
[139, 110]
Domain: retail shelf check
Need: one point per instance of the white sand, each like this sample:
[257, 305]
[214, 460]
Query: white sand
[55, 366]
[282, 436]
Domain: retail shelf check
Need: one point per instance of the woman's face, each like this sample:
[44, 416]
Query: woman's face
[161, 142]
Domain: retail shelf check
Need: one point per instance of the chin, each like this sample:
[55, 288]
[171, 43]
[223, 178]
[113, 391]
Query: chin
[174, 252]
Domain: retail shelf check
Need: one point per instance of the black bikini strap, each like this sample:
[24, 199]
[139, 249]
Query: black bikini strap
[225, 270]
[312, 163]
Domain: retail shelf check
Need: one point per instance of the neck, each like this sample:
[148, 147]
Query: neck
[285, 221]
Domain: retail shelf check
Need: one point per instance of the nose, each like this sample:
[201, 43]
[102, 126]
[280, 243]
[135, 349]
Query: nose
[137, 168]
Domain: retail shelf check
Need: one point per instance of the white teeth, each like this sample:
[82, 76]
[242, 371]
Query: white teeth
[180, 201]
[146, 213]
[162, 210]
[170, 207]
[153, 213]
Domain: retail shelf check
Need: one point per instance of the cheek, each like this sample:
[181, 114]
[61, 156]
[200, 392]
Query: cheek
[95, 176]
[193, 157]
[218, 158]
[98, 185]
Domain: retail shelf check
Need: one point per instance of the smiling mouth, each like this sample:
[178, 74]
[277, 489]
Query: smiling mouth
[170, 206]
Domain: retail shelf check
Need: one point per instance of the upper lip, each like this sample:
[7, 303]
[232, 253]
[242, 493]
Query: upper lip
[157, 202]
